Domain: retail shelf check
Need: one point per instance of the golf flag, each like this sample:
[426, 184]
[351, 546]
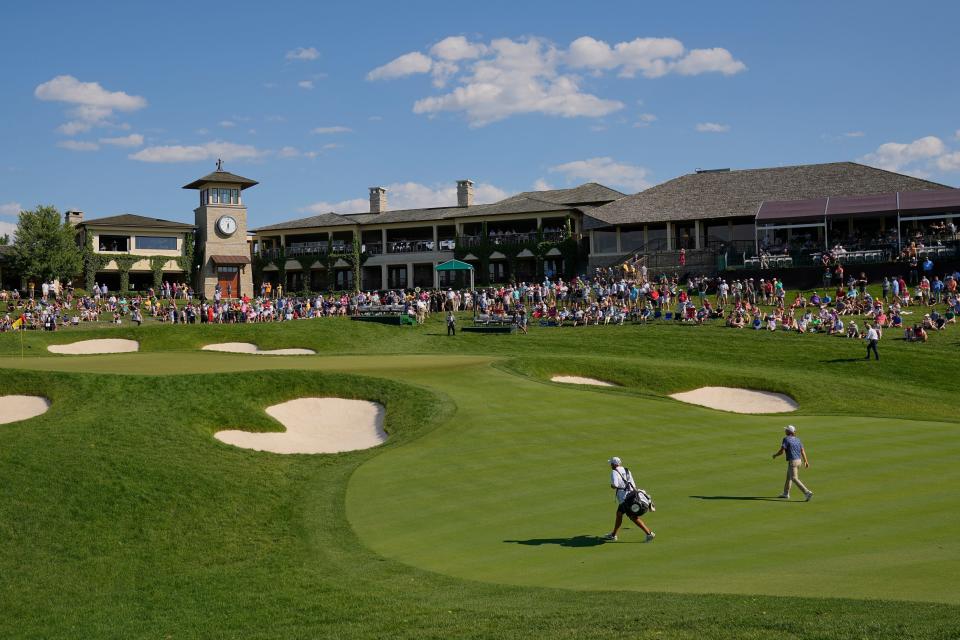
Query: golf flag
[18, 322]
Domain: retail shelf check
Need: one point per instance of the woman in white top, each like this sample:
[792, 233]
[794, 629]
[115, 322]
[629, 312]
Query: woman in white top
[621, 481]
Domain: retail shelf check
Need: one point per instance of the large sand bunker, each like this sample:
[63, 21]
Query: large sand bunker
[738, 400]
[86, 347]
[593, 382]
[247, 347]
[17, 408]
[316, 425]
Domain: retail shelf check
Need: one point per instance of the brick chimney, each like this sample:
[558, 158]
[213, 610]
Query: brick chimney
[73, 217]
[378, 199]
[464, 193]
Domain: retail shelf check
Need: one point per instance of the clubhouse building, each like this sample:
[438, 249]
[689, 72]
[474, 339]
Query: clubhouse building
[723, 219]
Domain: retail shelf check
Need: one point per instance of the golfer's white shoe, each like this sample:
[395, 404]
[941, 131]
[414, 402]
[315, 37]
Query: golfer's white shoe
[784, 495]
[651, 536]
[809, 495]
[610, 536]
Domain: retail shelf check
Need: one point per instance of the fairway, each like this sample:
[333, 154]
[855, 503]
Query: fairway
[489, 496]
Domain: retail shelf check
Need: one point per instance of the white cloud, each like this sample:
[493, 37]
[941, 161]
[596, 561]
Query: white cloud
[10, 209]
[542, 185]
[712, 127]
[226, 124]
[203, 132]
[652, 57]
[77, 145]
[405, 65]
[517, 77]
[457, 48]
[716, 60]
[195, 153]
[132, 140]
[303, 53]
[895, 156]
[531, 75]
[9, 229]
[305, 84]
[93, 105]
[326, 130]
[853, 134]
[605, 171]
[645, 120]
[331, 145]
[288, 152]
[949, 161]
[412, 195]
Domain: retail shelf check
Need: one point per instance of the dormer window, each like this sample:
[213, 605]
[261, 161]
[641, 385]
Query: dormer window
[219, 196]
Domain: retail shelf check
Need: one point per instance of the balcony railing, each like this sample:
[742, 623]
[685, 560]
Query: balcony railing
[507, 238]
[418, 246]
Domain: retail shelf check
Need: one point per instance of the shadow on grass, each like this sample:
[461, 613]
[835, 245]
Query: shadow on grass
[575, 541]
[740, 498]
[835, 360]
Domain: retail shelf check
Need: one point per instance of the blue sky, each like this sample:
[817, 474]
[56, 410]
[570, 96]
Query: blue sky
[112, 107]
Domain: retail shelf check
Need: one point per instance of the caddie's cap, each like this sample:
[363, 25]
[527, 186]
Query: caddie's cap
[614, 460]
[790, 428]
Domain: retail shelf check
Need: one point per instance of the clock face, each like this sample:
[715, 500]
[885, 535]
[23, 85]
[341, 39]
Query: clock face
[226, 225]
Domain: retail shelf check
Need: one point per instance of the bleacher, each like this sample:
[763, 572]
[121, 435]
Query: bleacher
[384, 314]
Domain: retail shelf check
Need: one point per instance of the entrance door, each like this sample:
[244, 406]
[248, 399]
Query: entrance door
[229, 280]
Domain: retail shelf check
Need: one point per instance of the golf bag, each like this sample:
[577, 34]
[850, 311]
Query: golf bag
[636, 502]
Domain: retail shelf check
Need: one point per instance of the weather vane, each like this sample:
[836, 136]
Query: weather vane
[219, 164]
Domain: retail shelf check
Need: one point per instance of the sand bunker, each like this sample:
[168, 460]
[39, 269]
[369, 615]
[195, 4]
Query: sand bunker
[580, 380]
[247, 347]
[86, 347]
[738, 400]
[17, 408]
[316, 425]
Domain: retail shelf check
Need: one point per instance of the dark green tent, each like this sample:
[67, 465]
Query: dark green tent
[457, 265]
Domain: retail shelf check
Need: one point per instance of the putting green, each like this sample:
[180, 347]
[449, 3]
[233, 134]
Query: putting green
[515, 489]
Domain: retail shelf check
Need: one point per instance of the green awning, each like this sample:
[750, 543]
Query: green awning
[454, 265]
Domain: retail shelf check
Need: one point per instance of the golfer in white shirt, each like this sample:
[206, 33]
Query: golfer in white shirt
[872, 337]
[621, 481]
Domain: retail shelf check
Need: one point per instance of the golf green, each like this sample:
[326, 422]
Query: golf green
[515, 489]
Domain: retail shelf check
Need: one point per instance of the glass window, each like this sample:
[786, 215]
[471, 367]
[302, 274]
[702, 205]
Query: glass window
[166, 243]
[631, 239]
[604, 241]
[234, 196]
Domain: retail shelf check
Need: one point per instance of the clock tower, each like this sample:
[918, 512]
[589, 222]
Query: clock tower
[223, 252]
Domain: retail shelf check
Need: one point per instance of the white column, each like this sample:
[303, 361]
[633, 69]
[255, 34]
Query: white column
[696, 232]
[383, 234]
[409, 275]
[383, 277]
[436, 240]
[669, 236]
[436, 275]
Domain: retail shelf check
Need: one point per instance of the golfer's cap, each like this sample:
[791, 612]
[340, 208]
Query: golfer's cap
[790, 428]
[614, 460]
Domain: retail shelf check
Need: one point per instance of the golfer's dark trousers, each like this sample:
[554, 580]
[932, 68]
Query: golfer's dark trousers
[872, 346]
[451, 330]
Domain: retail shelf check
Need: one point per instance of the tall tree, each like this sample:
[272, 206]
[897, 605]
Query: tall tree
[45, 245]
[4, 240]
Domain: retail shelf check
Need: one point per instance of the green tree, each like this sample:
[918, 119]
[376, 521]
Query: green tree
[5, 239]
[46, 245]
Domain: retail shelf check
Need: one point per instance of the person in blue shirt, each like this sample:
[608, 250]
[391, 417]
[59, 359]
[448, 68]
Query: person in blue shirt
[795, 454]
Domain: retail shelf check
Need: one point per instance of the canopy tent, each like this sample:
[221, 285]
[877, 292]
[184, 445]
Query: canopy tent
[456, 265]
[815, 212]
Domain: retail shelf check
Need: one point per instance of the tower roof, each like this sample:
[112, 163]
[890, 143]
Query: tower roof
[221, 176]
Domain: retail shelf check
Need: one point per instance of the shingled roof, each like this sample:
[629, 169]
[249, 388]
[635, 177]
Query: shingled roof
[727, 194]
[527, 202]
[222, 176]
[132, 220]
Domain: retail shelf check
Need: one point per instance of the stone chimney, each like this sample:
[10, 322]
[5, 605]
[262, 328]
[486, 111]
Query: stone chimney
[464, 193]
[73, 217]
[378, 199]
